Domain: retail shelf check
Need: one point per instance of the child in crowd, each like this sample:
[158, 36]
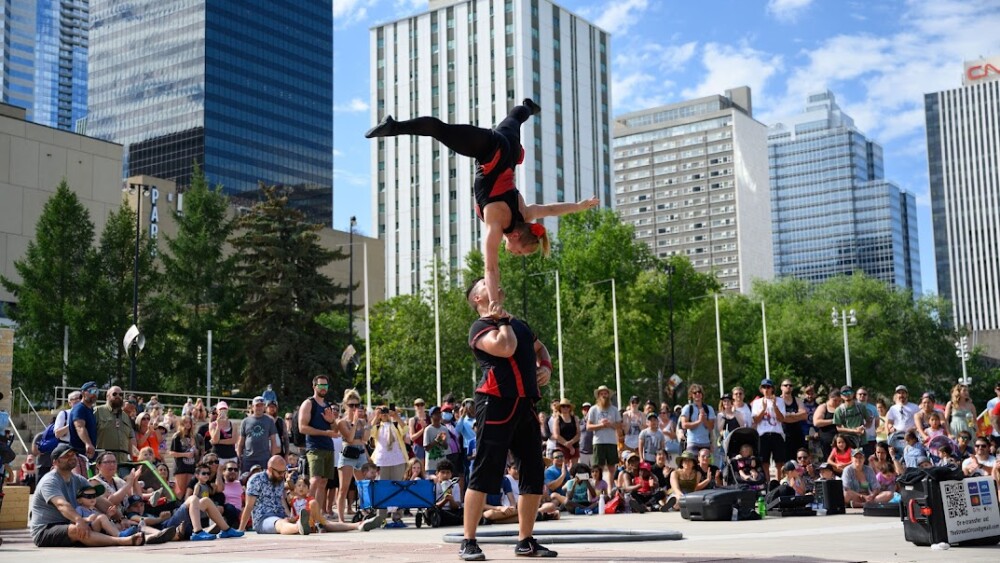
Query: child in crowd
[580, 493]
[597, 481]
[793, 478]
[885, 474]
[305, 510]
[914, 450]
[28, 475]
[746, 464]
[649, 492]
[415, 469]
[201, 502]
[86, 500]
[826, 472]
[292, 463]
[448, 494]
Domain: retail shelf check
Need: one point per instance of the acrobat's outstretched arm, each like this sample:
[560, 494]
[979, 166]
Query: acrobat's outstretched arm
[537, 211]
[491, 264]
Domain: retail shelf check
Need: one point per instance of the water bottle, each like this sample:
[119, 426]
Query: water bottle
[761, 507]
[600, 505]
[736, 514]
[628, 503]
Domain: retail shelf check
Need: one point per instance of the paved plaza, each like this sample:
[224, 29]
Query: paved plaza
[849, 537]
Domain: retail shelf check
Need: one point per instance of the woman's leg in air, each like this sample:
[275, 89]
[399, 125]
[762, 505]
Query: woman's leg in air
[466, 140]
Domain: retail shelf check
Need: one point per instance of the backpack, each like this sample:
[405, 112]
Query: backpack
[298, 438]
[48, 442]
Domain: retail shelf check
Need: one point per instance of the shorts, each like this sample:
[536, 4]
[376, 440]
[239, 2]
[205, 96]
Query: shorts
[507, 424]
[56, 535]
[605, 454]
[772, 444]
[268, 526]
[321, 464]
[357, 464]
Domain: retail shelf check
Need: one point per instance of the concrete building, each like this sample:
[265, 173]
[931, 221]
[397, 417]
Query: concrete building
[245, 89]
[832, 211]
[692, 178]
[43, 59]
[470, 61]
[34, 159]
[963, 153]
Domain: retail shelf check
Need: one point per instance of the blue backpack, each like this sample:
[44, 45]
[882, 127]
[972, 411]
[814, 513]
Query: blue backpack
[49, 441]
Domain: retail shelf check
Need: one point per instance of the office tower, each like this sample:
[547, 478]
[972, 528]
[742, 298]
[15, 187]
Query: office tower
[963, 153]
[245, 89]
[833, 213]
[470, 62]
[43, 59]
[692, 178]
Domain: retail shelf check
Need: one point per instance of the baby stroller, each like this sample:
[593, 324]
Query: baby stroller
[385, 494]
[732, 445]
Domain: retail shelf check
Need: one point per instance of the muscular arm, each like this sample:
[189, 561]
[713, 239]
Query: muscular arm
[501, 342]
[305, 416]
[544, 363]
[247, 511]
[537, 211]
[493, 216]
[81, 431]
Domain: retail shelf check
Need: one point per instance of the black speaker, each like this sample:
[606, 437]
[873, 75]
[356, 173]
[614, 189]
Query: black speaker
[830, 495]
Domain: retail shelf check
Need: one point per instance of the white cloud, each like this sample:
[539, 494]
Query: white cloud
[787, 10]
[356, 105]
[351, 178]
[637, 79]
[349, 12]
[728, 67]
[337, 153]
[619, 15]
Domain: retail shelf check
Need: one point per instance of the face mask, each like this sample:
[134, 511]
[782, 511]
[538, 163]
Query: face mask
[447, 417]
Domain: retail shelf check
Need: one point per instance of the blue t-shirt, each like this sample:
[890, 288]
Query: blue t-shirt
[464, 426]
[552, 473]
[698, 435]
[497, 499]
[86, 414]
[269, 497]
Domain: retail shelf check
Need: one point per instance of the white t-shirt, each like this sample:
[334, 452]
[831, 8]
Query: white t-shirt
[747, 414]
[769, 422]
[456, 491]
[901, 416]
[515, 489]
[991, 461]
[604, 435]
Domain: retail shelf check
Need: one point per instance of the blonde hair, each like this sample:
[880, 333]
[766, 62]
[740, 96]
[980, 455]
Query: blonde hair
[349, 394]
[956, 394]
[533, 241]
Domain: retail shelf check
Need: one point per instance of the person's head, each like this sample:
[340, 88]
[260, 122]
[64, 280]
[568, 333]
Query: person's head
[87, 496]
[435, 414]
[652, 422]
[107, 463]
[447, 414]
[142, 422]
[934, 419]
[185, 427]
[415, 469]
[704, 456]
[147, 454]
[645, 470]
[419, 405]
[726, 402]
[30, 459]
[833, 399]
[163, 471]
[803, 458]
[840, 443]
[88, 393]
[847, 394]
[514, 469]
[231, 472]
[222, 409]
[661, 458]
[321, 385]
[924, 462]
[603, 396]
[902, 394]
[792, 469]
[632, 464]
[565, 408]
[527, 238]
[787, 387]
[809, 391]
[74, 398]
[861, 395]
[469, 406]
[116, 397]
[478, 298]
[64, 458]
[135, 504]
[203, 472]
[276, 470]
[696, 393]
[272, 408]
[927, 402]
[882, 450]
[767, 387]
[687, 461]
[858, 457]
[258, 405]
[596, 473]
[299, 486]
[826, 471]
[945, 452]
[292, 459]
[633, 402]
[352, 404]
[982, 448]
[746, 450]
[738, 395]
[558, 459]
[910, 437]
[444, 471]
[585, 408]
[882, 407]
[964, 437]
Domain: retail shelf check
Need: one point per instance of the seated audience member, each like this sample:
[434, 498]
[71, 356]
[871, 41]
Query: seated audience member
[885, 474]
[747, 465]
[965, 448]
[86, 499]
[946, 456]
[826, 472]
[232, 489]
[914, 450]
[981, 463]
[448, 495]
[860, 483]
[840, 455]
[546, 510]
[305, 511]
[808, 469]
[415, 469]
[684, 479]
[626, 484]
[267, 502]
[581, 496]
[711, 475]
[556, 476]
[500, 508]
[27, 476]
[661, 470]
[200, 502]
[649, 493]
[793, 479]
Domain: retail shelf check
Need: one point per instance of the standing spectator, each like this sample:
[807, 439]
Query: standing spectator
[823, 422]
[960, 412]
[202, 424]
[697, 420]
[115, 432]
[43, 461]
[727, 420]
[417, 423]
[901, 413]
[586, 443]
[921, 418]
[435, 441]
[258, 439]
[981, 464]
[851, 420]
[146, 437]
[84, 424]
[605, 422]
[222, 434]
[390, 453]
[279, 424]
[795, 415]
[881, 432]
[668, 427]
[810, 403]
[316, 420]
[768, 414]
[466, 429]
[871, 421]
[184, 448]
[740, 405]
[356, 431]
[567, 432]
[62, 424]
[633, 422]
[651, 440]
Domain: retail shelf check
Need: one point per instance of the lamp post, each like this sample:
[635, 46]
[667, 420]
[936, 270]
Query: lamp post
[844, 319]
[962, 351]
[562, 387]
[767, 356]
[718, 345]
[350, 283]
[368, 326]
[669, 269]
[614, 318]
[140, 191]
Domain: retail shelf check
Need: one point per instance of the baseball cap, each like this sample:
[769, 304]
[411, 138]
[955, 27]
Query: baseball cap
[846, 390]
[586, 405]
[633, 399]
[858, 452]
[645, 465]
[221, 405]
[258, 400]
[727, 397]
[272, 402]
[766, 382]
[651, 416]
[418, 401]
[824, 465]
[133, 500]
[98, 488]
[87, 386]
[791, 466]
[61, 449]
[435, 410]
[446, 408]
[901, 388]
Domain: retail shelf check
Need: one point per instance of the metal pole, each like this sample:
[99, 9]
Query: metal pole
[66, 353]
[437, 332]
[208, 379]
[562, 388]
[670, 304]
[847, 349]
[134, 349]
[368, 333]
[767, 358]
[350, 296]
[718, 346]
[614, 316]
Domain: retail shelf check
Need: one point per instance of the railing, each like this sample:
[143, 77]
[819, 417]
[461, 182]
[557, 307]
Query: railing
[167, 400]
[19, 396]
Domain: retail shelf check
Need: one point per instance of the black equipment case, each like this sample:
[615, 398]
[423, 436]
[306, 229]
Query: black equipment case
[926, 518]
[830, 495]
[718, 504]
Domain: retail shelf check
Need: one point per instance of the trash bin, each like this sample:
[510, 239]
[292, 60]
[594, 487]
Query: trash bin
[938, 505]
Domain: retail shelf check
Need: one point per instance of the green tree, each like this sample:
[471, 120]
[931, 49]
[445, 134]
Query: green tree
[53, 294]
[282, 294]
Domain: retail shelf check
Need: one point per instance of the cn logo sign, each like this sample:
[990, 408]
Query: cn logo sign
[978, 72]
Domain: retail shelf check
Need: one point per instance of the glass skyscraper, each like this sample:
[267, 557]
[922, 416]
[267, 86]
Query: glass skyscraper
[43, 67]
[245, 89]
[832, 211]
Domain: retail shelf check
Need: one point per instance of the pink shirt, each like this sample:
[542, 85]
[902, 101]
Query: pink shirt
[234, 494]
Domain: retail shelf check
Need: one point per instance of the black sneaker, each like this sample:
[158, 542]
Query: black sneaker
[385, 128]
[470, 551]
[530, 104]
[528, 547]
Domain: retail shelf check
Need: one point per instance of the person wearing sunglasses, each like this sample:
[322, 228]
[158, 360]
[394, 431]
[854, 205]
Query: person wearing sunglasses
[201, 503]
[115, 430]
[258, 438]
[356, 430]
[316, 423]
[267, 502]
[980, 463]
[768, 415]
[83, 435]
[697, 420]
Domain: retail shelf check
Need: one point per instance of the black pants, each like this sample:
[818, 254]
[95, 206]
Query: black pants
[469, 140]
[507, 425]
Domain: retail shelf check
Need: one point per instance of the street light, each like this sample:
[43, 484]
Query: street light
[558, 329]
[845, 318]
[767, 356]
[368, 326]
[350, 283]
[614, 313]
[669, 270]
[134, 344]
[962, 351]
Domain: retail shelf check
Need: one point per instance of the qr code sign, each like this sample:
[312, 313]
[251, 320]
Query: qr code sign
[955, 500]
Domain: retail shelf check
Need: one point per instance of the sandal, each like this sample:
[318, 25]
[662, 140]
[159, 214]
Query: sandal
[137, 540]
[163, 536]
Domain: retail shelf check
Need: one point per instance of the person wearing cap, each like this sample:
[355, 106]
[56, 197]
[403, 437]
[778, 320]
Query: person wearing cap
[852, 419]
[899, 419]
[514, 365]
[768, 413]
[83, 436]
[651, 440]
[585, 446]
[54, 520]
[271, 410]
[605, 422]
[793, 478]
[317, 423]
[435, 437]
[860, 483]
[258, 438]
[115, 431]
[633, 421]
[566, 431]
[416, 426]
[222, 434]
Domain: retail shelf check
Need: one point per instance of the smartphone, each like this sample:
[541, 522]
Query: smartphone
[583, 477]
[392, 407]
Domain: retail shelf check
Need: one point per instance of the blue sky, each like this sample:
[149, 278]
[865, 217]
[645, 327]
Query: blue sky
[879, 57]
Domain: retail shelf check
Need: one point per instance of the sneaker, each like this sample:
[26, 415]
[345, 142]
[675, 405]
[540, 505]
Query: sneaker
[231, 533]
[669, 505]
[419, 518]
[470, 551]
[154, 499]
[530, 104]
[385, 128]
[371, 523]
[304, 524]
[130, 531]
[202, 536]
[528, 547]
[396, 524]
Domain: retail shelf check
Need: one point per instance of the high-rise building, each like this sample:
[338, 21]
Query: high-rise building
[692, 178]
[43, 59]
[832, 211]
[963, 153]
[245, 89]
[470, 61]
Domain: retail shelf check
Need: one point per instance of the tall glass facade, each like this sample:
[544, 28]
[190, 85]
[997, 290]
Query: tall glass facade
[43, 67]
[832, 211]
[245, 89]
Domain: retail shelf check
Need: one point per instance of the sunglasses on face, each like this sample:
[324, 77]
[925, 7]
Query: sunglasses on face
[87, 495]
[982, 445]
[231, 469]
[786, 384]
[322, 385]
[696, 393]
[212, 462]
[353, 405]
[204, 474]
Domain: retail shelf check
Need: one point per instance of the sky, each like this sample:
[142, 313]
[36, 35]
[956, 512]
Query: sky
[878, 57]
